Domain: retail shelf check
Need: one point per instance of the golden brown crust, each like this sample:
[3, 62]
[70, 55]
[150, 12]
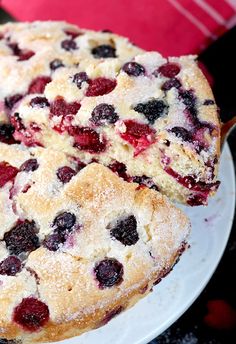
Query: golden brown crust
[192, 149]
[65, 278]
[181, 165]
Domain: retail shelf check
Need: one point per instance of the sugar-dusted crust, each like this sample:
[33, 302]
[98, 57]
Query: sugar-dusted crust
[181, 155]
[45, 39]
[64, 279]
[65, 217]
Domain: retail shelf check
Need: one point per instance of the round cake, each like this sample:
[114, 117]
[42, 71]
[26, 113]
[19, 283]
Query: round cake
[97, 97]
[94, 134]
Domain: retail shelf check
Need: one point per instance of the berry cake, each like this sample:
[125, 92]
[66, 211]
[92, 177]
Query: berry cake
[31, 53]
[78, 244]
[98, 98]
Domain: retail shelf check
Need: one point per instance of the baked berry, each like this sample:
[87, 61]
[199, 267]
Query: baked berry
[14, 47]
[69, 44]
[55, 64]
[39, 102]
[182, 133]
[103, 51]
[79, 78]
[38, 84]
[26, 136]
[29, 165]
[25, 55]
[64, 123]
[109, 272]
[191, 182]
[139, 135]
[169, 69]
[7, 173]
[22, 238]
[133, 69]
[6, 133]
[10, 266]
[12, 100]
[208, 102]
[17, 122]
[196, 200]
[88, 140]
[59, 107]
[146, 181]
[65, 220]
[152, 110]
[125, 230]
[63, 225]
[172, 83]
[104, 114]
[73, 34]
[65, 173]
[31, 314]
[106, 31]
[54, 241]
[100, 86]
[189, 100]
[120, 169]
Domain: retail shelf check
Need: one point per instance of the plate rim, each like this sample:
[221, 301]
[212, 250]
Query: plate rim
[166, 323]
[205, 281]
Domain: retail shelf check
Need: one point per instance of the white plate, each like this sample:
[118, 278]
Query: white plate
[211, 227]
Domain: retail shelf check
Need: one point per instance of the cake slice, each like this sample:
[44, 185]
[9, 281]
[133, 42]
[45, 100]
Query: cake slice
[149, 119]
[78, 246]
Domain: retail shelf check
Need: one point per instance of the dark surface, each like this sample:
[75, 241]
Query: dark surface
[192, 327]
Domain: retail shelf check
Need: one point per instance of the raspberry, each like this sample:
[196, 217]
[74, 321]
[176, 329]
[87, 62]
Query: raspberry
[38, 84]
[169, 69]
[100, 86]
[7, 173]
[60, 107]
[31, 314]
[88, 140]
[139, 135]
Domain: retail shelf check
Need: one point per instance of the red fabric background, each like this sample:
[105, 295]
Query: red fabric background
[151, 24]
